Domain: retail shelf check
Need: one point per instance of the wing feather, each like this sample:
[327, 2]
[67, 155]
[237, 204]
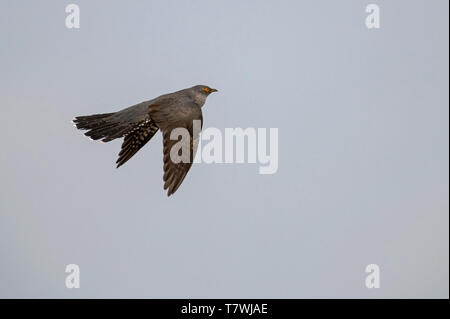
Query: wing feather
[181, 115]
[135, 140]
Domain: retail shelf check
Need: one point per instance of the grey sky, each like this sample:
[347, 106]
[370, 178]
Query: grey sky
[363, 150]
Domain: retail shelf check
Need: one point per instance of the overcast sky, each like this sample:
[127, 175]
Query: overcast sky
[362, 116]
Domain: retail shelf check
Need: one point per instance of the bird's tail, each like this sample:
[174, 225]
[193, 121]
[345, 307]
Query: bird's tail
[99, 126]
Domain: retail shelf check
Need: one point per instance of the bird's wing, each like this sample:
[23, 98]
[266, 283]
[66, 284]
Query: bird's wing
[168, 118]
[135, 139]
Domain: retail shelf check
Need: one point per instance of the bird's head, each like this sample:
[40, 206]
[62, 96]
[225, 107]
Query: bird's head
[204, 89]
[199, 93]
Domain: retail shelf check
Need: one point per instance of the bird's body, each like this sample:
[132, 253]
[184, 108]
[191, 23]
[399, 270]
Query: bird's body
[140, 122]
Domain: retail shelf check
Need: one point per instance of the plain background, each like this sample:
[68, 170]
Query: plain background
[363, 150]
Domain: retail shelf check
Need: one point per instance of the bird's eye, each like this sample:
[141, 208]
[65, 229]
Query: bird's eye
[207, 90]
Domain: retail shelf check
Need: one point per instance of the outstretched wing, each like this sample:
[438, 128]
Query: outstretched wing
[180, 115]
[136, 139]
[174, 173]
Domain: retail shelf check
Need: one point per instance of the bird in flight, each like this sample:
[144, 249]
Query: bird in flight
[140, 122]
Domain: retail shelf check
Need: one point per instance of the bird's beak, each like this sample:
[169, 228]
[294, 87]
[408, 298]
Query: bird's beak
[213, 90]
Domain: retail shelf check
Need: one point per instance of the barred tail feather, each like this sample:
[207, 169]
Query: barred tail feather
[99, 126]
[133, 124]
[91, 121]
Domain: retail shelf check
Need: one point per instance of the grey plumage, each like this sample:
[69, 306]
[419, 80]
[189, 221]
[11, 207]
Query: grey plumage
[140, 122]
